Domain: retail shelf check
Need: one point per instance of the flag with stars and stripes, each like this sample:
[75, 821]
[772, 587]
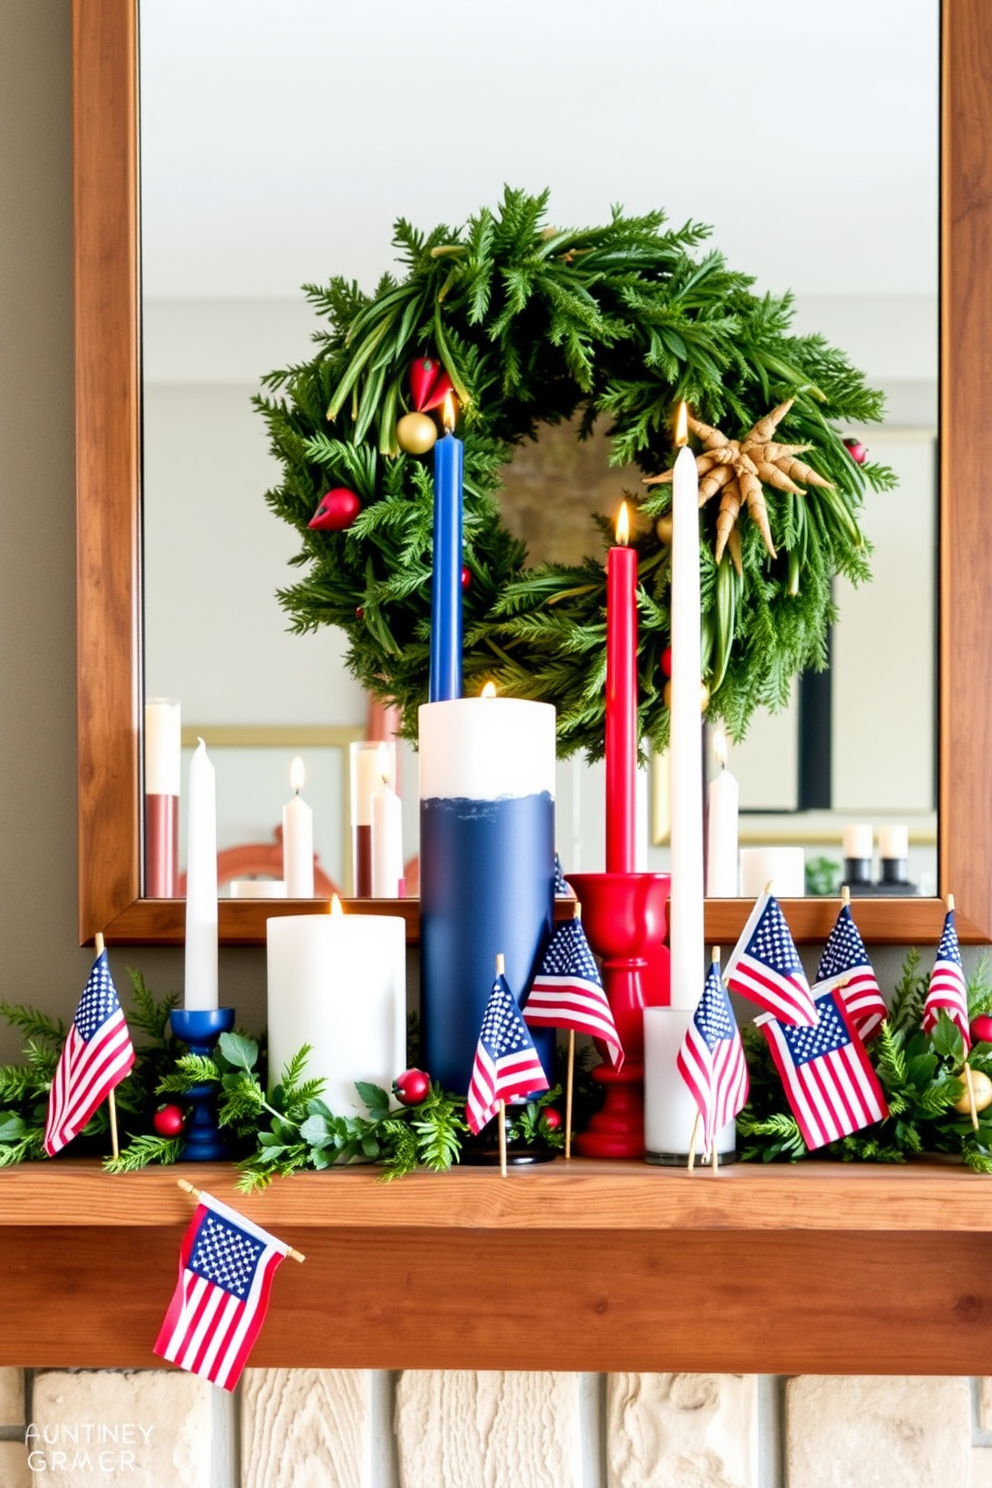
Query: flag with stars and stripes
[827, 1075]
[711, 1060]
[765, 966]
[568, 991]
[562, 891]
[948, 990]
[226, 1266]
[95, 1058]
[506, 1062]
[844, 967]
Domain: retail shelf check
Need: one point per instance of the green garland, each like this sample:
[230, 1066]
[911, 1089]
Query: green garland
[534, 325]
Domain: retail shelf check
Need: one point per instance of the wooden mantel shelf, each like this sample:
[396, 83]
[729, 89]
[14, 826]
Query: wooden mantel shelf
[605, 1266]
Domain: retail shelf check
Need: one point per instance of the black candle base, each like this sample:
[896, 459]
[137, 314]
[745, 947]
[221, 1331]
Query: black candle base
[857, 871]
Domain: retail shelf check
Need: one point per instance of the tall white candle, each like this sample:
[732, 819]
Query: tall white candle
[201, 884]
[338, 983]
[163, 746]
[297, 839]
[685, 762]
[723, 799]
[387, 836]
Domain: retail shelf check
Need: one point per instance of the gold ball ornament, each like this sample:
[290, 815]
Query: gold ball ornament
[663, 527]
[982, 1086]
[704, 697]
[416, 433]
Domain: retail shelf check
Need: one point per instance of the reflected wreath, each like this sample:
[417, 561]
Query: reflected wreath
[535, 325]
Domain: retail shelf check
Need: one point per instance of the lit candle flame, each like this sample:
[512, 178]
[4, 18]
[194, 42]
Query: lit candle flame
[623, 526]
[489, 690]
[382, 763]
[448, 414]
[336, 905]
[682, 426]
[720, 747]
[297, 775]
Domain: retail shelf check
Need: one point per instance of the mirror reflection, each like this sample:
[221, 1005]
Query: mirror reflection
[279, 150]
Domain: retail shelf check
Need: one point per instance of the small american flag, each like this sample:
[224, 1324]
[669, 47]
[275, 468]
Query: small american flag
[506, 1062]
[828, 1078]
[765, 966]
[562, 891]
[948, 990]
[95, 1058]
[845, 968]
[711, 1060]
[568, 991]
[226, 1266]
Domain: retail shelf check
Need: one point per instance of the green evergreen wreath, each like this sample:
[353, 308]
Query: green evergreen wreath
[534, 325]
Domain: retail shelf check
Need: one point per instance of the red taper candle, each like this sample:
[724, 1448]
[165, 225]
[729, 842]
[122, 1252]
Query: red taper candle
[621, 701]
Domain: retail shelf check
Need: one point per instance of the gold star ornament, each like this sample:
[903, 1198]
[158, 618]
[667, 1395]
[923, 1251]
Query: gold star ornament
[736, 468]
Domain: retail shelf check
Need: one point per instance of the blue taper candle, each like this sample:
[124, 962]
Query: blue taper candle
[446, 591]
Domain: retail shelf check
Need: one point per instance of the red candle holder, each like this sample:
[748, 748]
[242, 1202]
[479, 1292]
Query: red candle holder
[624, 915]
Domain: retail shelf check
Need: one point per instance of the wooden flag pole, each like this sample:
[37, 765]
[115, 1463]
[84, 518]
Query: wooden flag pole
[502, 1139]
[692, 1143]
[111, 1101]
[187, 1187]
[845, 896]
[568, 1095]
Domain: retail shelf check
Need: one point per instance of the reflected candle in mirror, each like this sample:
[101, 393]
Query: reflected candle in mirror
[367, 772]
[338, 983]
[858, 847]
[893, 849]
[723, 801]
[297, 839]
[201, 885]
[387, 836]
[784, 867]
[258, 888]
[163, 750]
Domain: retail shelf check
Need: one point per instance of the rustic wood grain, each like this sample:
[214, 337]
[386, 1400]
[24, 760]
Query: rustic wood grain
[489, 1429]
[306, 1428]
[107, 457]
[108, 507]
[560, 1198]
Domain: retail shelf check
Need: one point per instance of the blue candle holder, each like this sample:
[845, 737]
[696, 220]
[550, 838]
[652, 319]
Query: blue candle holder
[199, 1029]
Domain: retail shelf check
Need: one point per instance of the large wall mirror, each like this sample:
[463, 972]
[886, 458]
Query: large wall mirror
[849, 217]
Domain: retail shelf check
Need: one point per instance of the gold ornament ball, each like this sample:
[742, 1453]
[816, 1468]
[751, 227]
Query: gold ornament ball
[663, 527]
[704, 697]
[416, 433]
[982, 1086]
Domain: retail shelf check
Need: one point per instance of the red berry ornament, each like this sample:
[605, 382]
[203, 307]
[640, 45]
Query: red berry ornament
[856, 450]
[550, 1119]
[981, 1029]
[169, 1121]
[337, 510]
[466, 578]
[412, 1087]
[666, 661]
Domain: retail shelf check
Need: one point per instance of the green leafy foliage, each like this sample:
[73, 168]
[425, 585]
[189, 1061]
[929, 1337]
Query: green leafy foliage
[536, 324]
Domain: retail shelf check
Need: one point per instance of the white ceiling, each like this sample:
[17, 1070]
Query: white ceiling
[280, 138]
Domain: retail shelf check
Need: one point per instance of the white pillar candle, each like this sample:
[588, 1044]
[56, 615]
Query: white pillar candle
[785, 867]
[163, 746]
[669, 1110]
[893, 842]
[387, 836]
[723, 800]
[858, 840]
[297, 839]
[685, 748]
[367, 775]
[201, 884]
[338, 982]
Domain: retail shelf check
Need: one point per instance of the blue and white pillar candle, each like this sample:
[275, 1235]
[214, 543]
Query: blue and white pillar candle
[487, 866]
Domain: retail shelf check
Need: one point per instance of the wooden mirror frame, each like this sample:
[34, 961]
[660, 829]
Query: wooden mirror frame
[108, 482]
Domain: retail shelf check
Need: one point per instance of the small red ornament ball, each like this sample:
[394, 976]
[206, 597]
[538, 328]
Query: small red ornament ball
[169, 1121]
[856, 450]
[666, 661]
[466, 579]
[550, 1118]
[337, 510]
[412, 1087]
[981, 1029]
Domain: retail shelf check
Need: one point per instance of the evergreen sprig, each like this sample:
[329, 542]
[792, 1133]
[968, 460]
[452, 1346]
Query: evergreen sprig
[536, 325]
